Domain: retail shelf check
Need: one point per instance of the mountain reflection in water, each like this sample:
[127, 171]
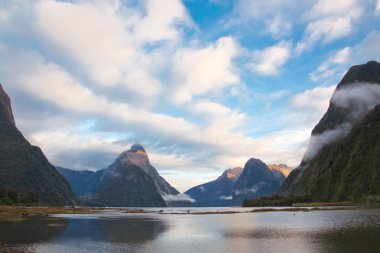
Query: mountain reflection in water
[315, 231]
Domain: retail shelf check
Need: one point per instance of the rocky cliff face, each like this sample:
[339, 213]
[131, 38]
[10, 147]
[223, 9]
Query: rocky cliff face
[342, 160]
[282, 168]
[24, 168]
[137, 156]
[218, 192]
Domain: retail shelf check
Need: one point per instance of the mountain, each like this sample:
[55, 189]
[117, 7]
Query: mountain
[218, 192]
[24, 169]
[256, 180]
[282, 168]
[236, 185]
[130, 181]
[126, 184]
[342, 161]
[137, 156]
[84, 183]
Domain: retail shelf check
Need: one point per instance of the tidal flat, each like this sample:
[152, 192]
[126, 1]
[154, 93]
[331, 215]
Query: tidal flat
[223, 230]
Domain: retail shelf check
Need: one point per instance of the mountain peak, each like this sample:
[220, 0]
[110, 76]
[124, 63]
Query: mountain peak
[254, 161]
[137, 155]
[137, 148]
[364, 73]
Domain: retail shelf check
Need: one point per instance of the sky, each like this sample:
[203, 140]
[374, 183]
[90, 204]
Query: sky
[202, 85]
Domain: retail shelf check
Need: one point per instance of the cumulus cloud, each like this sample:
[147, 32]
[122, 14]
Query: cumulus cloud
[328, 21]
[161, 21]
[276, 17]
[117, 59]
[377, 10]
[198, 71]
[269, 60]
[360, 99]
[179, 197]
[217, 115]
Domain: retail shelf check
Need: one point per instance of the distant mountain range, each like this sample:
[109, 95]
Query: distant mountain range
[130, 181]
[218, 192]
[24, 169]
[236, 185]
[257, 180]
[342, 161]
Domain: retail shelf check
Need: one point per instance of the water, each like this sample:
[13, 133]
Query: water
[316, 231]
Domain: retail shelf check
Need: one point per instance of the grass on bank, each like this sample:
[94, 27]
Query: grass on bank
[19, 213]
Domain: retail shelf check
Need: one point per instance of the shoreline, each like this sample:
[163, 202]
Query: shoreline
[22, 213]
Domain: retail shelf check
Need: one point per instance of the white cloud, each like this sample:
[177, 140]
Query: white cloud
[339, 61]
[229, 197]
[263, 10]
[327, 70]
[278, 94]
[326, 8]
[269, 60]
[360, 98]
[178, 197]
[217, 116]
[279, 27]
[107, 39]
[317, 142]
[275, 17]
[198, 71]
[161, 20]
[51, 83]
[312, 104]
[328, 21]
[377, 11]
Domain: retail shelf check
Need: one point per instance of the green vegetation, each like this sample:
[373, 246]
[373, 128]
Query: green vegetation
[11, 197]
[346, 170]
[276, 200]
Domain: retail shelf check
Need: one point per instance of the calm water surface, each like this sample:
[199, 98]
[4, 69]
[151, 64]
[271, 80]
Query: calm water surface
[316, 231]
